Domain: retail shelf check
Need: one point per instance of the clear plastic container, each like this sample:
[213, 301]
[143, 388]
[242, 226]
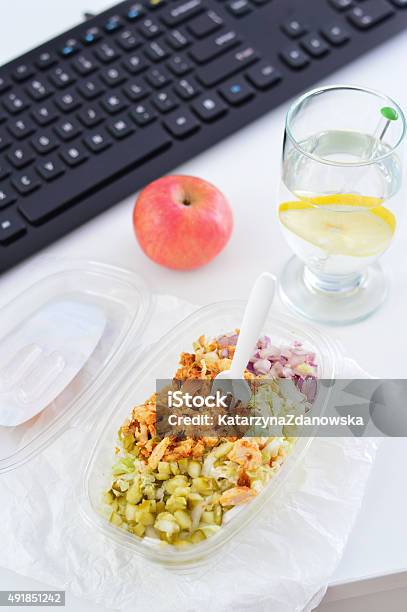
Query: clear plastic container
[161, 362]
[52, 374]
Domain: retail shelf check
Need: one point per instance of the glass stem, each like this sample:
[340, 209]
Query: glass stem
[333, 284]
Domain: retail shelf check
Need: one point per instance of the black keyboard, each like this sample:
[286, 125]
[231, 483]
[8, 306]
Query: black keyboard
[98, 112]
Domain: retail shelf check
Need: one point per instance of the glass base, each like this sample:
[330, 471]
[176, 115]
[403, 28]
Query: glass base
[348, 305]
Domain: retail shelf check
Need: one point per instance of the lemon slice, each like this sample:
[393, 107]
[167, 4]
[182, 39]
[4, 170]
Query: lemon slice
[341, 224]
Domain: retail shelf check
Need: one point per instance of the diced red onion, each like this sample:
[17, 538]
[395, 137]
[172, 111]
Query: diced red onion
[271, 351]
[296, 360]
[277, 370]
[264, 342]
[308, 386]
[228, 340]
[262, 366]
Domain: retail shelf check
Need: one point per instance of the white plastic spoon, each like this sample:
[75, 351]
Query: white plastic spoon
[258, 306]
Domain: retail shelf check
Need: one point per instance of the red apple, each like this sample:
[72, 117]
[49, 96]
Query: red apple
[182, 222]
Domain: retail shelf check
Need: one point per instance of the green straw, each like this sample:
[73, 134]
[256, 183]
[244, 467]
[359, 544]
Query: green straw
[389, 115]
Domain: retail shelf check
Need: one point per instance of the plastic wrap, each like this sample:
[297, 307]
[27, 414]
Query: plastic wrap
[282, 561]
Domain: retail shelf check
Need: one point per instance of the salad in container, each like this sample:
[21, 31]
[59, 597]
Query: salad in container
[176, 502]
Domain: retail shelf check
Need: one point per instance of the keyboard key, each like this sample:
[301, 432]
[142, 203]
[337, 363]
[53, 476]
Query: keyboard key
[239, 7]
[179, 65]
[177, 39]
[227, 66]
[84, 65]
[22, 72]
[237, 91]
[294, 28]
[61, 77]
[43, 115]
[294, 58]
[136, 90]
[20, 156]
[44, 142]
[97, 141]
[128, 154]
[205, 24]
[135, 12]
[370, 13]
[113, 76]
[135, 64]
[336, 34]
[90, 116]
[4, 170]
[187, 88]
[181, 123]
[158, 77]
[212, 47]
[67, 129]
[113, 24]
[74, 155]
[70, 47]
[68, 101]
[315, 45]
[25, 183]
[38, 89]
[91, 35]
[7, 197]
[143, 114]
[120, 128]
[20, 128]
[209, 107]
[90, 89]
[341, 5]
[50, 168]
[182, 11]
[14, 103]
[5, 84]
[164, 102]
[5, 140]
[106, 53]
[156, 51]
[45, 60]
[114, 103]
[11, 227]
[150, 28]
[127, 40]
[263, 75]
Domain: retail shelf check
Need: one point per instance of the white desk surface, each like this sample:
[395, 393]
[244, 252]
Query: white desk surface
[377, 546]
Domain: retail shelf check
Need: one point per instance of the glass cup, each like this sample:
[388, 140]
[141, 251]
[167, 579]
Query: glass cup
[340, 200]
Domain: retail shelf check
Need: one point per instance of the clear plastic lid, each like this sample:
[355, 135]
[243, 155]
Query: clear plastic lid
[60, 340]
